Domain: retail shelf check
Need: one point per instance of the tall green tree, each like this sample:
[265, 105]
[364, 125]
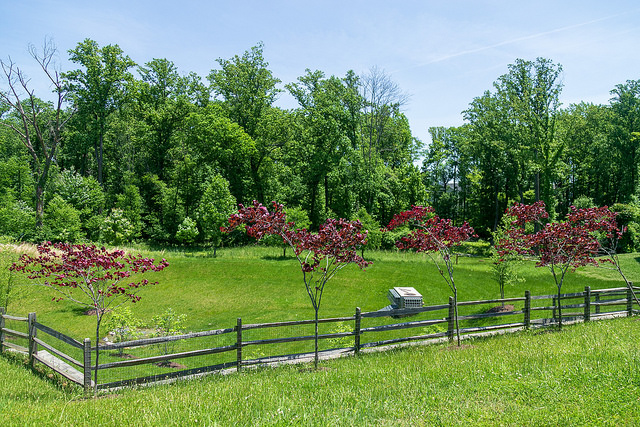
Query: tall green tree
[592, 162]
[513, 137]
[626, 136]
[222, 145]
[163, 99]
[98, 88]
[216, 205]
[531, 90]
[248, 90]
[324, 121]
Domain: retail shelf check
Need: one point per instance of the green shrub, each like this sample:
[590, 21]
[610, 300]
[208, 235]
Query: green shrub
[374, 235]
[123, 325]
[83, 193]
[17, 219]
[187, 231]
[629, 217]
[116, 228]
[479, 248]
[341, 342]
[61, 221]
[168, 324]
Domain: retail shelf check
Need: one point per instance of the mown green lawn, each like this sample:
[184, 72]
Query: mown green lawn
[587, 374]
[256, 284]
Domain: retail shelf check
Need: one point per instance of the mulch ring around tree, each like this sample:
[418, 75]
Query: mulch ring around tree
[170, 364]
[501, 309]
[92, 311]
[124, 356]
[455, 347]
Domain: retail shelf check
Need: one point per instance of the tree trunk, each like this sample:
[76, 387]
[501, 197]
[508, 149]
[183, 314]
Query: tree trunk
[95, 375]
[559, 302]
[100, 152]
[455, 308]
[315, 359]
[326, 194]
[39, 206]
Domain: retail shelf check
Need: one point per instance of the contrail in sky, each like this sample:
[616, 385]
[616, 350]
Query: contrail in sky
[518, 39]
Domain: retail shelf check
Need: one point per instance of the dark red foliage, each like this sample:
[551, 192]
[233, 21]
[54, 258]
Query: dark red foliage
[431, 233]
[573, 243]
[259, 221]
[320, 254]
[337, 239]
[99, 275]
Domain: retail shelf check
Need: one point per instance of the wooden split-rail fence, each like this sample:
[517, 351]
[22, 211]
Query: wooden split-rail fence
[594, 304]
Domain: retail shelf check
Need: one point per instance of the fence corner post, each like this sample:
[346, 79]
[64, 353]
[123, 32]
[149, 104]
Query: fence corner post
[451, 324]
[629, 302]
[239, 344]
[86, 365]
[587, 304]
[33, 346]
[527, 309]
[356, 344]
[2, 313]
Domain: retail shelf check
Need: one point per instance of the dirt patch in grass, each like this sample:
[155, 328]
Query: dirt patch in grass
[453, 347]
[124, 356]
[170, 364]
[320, 369]
[501, 309]
[92, 311]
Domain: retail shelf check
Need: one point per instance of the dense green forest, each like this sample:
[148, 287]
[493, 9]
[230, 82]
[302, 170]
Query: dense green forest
[122, 152]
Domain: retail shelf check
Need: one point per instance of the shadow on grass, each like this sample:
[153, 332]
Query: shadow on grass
[21, 361]
[277, 258]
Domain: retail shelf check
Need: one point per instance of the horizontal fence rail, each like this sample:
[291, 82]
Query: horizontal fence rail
[364, 330]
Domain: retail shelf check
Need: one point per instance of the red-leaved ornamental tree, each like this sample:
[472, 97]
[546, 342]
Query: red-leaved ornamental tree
[320, 255]
[433, 235]
[561, 246]
[608, 234]
[93, 277]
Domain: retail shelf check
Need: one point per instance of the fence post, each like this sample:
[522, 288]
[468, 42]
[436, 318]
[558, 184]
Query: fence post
[86, 365]
[33, 333]
[587, 303]
[239, 344]
[553, 304]
[356, 344]
[451, 319]
[2, 313]
[527, 309]
[629, 302]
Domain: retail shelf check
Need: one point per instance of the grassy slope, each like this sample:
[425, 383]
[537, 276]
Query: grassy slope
[585, 375]
[257, 285]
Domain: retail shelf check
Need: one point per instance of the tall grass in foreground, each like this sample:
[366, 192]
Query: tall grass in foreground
[588, 374]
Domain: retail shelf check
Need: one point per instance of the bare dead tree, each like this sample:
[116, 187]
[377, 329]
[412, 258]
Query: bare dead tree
[38, 123]
[382, 99]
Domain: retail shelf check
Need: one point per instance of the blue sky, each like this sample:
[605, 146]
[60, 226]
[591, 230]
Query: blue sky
[442, 53]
